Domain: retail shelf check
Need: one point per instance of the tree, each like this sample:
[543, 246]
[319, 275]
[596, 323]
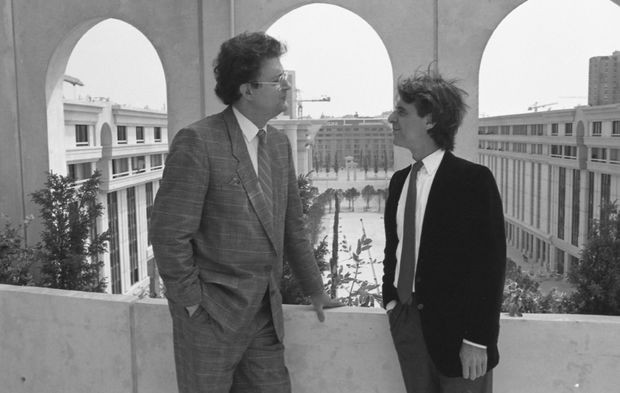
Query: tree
[16, 259]
[597, 274]
[327, 162]
[329, 196]
[333, 262]
[336, 163]
[376, 162]
[351, 195]
[313, 207]
[367, 193]
[70, 246]
[381, 195]
[307, 192]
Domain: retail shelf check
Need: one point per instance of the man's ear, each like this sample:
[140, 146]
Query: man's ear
[429, 121]
[245, 90]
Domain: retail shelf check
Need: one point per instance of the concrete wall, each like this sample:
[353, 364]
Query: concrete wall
[63, 342]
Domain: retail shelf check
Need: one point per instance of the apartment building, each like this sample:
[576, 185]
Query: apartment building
[128, 146]
[604, 80]
[555, 170]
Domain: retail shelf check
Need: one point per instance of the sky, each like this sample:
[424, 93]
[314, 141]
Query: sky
[538, 55]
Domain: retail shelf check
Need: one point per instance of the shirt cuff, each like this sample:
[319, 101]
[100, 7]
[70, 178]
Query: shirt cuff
[474, 344]
[390, 305]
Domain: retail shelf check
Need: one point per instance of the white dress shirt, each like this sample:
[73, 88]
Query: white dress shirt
[426, 175]
[250, 135]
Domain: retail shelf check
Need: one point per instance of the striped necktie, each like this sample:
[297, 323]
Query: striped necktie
[407, 256]
[264, 170]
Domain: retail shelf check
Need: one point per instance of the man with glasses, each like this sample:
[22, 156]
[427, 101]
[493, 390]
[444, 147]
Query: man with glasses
[227, 210]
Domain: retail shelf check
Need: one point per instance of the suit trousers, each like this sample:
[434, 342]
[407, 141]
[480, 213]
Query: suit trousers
[419, 372]
[211, 359]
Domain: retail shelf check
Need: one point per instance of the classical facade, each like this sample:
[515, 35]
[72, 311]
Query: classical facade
[128, 146]
[367, 140]
[555, 171]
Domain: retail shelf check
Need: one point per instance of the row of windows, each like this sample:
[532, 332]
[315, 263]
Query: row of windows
[564, 151]
[517, 129]
[121, 134]
[82, 137]
[602, 154]
[121, 166]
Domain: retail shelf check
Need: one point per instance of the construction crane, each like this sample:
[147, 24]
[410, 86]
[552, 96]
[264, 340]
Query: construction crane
[536, 106]
[300, 106]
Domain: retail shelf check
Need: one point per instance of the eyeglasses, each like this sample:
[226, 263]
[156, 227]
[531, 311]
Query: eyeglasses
[279, 84]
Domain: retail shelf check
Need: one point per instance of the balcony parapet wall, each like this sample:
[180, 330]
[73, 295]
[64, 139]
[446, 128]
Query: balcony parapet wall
[64, 341]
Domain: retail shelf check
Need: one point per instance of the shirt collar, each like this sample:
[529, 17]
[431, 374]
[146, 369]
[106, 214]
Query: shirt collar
[432, 161]
[248, 128]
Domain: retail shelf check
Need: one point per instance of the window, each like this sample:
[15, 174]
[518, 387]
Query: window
[519, 129]
[156, 161]
[133, 235]
[121, 134]
[138, 164]
[614, 156]
[120, 167]
[576, 207]
[157, 134]
[570, 152]
[81, 135]
[79, 171]
[556, 151]
[596, 128]
[115, 258]
[561, 201]
[568, 129]
[149, 209]
[615, 128]
[554, 129]
[598, 154]
[139, 134]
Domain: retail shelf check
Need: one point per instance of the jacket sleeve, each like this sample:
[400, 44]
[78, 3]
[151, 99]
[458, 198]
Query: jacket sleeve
[177, 214]
[486, 283]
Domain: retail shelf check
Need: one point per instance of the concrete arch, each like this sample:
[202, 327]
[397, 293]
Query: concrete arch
[347, 6]
[54, 88]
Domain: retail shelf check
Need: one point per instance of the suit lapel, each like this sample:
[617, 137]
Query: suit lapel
[247, 174]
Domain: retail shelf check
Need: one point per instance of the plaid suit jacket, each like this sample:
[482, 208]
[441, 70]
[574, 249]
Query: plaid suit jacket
[212, 239]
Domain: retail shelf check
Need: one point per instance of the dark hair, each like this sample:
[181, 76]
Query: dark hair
[430, 93]
[240, 60]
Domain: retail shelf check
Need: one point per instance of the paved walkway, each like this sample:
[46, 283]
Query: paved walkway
[547, 280]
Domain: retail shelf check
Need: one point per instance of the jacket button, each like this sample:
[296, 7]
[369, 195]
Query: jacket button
[420, 306]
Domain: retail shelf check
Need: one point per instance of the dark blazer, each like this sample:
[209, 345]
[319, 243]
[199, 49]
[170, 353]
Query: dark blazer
[211, 234]
[461, 260]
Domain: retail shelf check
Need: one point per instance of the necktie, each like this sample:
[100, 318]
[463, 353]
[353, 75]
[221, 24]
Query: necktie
[408, 257]
[264, 170]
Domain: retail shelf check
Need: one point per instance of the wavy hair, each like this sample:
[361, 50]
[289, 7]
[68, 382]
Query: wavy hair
[239, 61]
[431, 93]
